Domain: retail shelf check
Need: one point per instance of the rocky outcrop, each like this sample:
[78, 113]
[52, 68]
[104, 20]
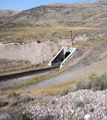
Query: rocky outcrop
[83, 104]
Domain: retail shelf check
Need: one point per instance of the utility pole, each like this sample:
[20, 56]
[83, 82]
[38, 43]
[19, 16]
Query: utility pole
[43, 54]
[24, 35]
[71, 39]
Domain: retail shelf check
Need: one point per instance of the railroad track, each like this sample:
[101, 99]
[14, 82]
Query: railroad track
[25, 73]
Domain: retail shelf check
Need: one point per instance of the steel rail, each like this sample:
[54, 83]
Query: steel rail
[25, 73]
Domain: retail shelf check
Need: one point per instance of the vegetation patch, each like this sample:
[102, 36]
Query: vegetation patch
[92, 82]
[17, 65]
[84, 83]
[20, 117]
[16, 115]
[3, 103]
[13, 102]
[26, 99]
[78, 103]
[48, 117]
[65, 91]
[11, 94]
[40, 33]
[99, 83]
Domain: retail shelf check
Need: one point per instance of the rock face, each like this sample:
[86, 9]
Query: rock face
[83, 104]
[33, 52]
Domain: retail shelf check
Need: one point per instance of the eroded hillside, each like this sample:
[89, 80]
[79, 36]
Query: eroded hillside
[88, 14]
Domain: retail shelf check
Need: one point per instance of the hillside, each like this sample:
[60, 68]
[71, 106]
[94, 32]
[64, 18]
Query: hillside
[4, 14]
[89, 14]
[30, 39]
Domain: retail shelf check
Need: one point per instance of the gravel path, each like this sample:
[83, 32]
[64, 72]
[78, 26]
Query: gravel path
[96, 68]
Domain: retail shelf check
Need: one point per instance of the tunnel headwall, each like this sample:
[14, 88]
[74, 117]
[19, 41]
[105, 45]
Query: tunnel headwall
[64, 55]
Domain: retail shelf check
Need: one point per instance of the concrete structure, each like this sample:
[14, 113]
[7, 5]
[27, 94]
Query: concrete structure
[63, 56]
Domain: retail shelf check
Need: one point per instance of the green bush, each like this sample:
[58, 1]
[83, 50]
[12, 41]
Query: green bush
[104, 79]
[1, 22]
[78, 103]
[20, 117]
[94, 82]
[53, 101]
[11, 94]
[65, 91]
[99, 83]
[26, 99]
[47, 117]
[3, 103]
[13, 102]
[17, 116]
[84, 83]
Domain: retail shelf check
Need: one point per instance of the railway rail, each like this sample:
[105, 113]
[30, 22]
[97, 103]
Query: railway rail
[25, 73]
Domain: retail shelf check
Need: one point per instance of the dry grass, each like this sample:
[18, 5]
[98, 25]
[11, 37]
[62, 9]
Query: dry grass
[86, 82]
[41, 33]
[94, 82]
[19, 68]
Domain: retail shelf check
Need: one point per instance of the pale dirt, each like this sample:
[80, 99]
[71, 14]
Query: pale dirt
[33, 52]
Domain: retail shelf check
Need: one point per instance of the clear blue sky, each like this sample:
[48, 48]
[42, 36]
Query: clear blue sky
[27, 4]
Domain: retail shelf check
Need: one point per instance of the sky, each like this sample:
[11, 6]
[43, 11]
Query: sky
[27, 4]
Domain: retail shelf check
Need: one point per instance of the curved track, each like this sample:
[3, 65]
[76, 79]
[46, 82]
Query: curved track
[25, 73]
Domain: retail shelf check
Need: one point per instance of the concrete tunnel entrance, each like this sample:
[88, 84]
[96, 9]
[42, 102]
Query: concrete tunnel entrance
[62, 56]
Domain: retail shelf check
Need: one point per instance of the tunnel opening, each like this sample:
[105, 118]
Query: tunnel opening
[66, 55]
[62, 59]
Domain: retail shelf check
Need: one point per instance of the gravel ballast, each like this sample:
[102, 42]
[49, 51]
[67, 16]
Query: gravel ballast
[79, 105]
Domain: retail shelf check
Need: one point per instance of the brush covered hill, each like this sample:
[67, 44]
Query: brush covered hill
[85, 14]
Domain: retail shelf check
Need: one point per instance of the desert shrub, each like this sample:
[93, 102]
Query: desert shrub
[16, 115]
[26, 99]
[99, 83]
[20, 117]
[86, 101]
[84, 83]
[73, 88]
[11, 94]
[47, 117]
[1, 22]
[53, 101]
[78, 103]
[65, 91]
[104, 79]
[20, 41]
[13, 102]
[3, 103]
[94, 82]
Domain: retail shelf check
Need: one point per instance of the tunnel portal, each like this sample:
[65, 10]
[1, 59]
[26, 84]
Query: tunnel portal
[62, 56]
